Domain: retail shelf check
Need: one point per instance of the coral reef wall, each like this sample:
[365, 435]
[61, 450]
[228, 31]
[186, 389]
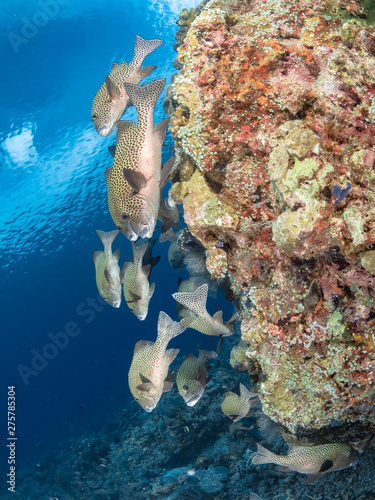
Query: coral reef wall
[273, 118]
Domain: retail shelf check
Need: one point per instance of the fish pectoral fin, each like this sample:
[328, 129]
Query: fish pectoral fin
[146, 385]
[108, 277]
[96, 255]
[218, 316]
[112, 150]
[313, 477]
[136, 180]
[112, 90]
[167, 386]
[151, 290]
[284, 468]
[234, 416]
[326, 465]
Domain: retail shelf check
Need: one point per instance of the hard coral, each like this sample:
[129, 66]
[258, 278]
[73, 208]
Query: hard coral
[275, 107]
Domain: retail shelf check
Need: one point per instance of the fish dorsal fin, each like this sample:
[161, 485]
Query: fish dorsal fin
[171, 355]
[145, 71]
[189, 356]
[108, 277]
[125, 266]
[197, 323]
[218, 316]
[195, 301]
[166, 171]
[121, 276]
[142, 344]
[151, 291]
[116, 254]
[96, 255]
[168, 384]
[112, 150]
[167, 328]
[107, 175]
[112, 90]
[115, 66]
[161, 129]
[135, 179]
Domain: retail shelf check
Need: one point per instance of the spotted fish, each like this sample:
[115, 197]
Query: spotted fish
[137, 289]
[237, 407]
[192, 377]
[149, 367]
[136, 177]
[313, 460]
[203, 322]
[111, 100]
[107, 270]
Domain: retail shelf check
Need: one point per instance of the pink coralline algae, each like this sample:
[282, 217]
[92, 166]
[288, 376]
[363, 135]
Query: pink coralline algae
[273, 108]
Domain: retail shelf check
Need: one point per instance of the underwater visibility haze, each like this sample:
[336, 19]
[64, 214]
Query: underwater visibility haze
[188, 289]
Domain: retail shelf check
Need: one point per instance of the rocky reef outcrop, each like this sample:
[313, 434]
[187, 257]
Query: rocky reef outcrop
[273, 119]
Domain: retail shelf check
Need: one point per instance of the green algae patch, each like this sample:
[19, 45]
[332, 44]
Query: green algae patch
[302, 170]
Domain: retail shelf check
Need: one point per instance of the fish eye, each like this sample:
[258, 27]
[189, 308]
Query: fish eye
[124, 216]
[94, 116]
[185, 387]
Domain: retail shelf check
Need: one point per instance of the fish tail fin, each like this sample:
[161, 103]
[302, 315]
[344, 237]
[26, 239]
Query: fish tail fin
[139, 251]
[143, 48]
[203, 355]
[246, 394]
[107, 238]
[195, 301]
[167, 328]
[264, 456]
[145, 96]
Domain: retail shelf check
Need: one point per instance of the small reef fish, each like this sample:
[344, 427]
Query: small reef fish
[149, 367]
[136, 178]
[313, 460]
[191, 378]
[237, 407]
[107, 270]
[168, 214]
[136, 285]
[203, 322]
[111, 100]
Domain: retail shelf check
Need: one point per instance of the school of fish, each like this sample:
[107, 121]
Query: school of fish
[134, 185]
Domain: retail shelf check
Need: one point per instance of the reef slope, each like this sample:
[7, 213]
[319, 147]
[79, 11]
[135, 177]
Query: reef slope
[273, 118]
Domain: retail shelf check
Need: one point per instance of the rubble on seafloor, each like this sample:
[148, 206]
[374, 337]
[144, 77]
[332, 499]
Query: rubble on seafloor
[273, 120]
[178, 452]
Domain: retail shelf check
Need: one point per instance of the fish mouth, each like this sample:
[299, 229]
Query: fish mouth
[192, 401]
[104, 130]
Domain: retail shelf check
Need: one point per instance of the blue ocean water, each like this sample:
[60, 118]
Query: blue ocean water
[54, 57]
